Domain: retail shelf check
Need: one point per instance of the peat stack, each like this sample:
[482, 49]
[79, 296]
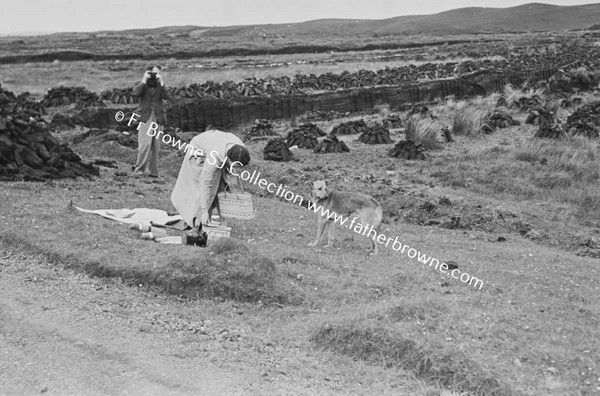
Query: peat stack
[393, 122]
[25, 101]
[498, 120]
[320, 115]
[21, 101]
[28, 151]
[533, 118]
[231, 90]
[419, 109]
[331, 144]
[375, 135]
[60, 121]
[305, 136]
[549, 125]
[349, 128]
[66, 95]
[447, 134]
[579, 79]
[260, 128]
[6, 97]
[527, 103]
[585, 121]
[408, 150]
[277, 150]
[119, 96]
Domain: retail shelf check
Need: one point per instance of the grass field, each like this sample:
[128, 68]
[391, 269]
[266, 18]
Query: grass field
[38, 78]
[518, 213]
[346, 323]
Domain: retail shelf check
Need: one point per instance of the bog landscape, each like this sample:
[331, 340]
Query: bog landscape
[476, 129]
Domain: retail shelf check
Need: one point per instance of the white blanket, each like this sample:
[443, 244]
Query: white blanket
[143, 216]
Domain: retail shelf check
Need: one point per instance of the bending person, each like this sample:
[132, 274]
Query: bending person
[207, 170]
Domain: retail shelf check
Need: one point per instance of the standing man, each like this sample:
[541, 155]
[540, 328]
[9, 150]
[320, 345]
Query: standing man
[207, 170]
[151, 91]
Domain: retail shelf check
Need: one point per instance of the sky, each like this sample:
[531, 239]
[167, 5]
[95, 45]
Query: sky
[47, 16]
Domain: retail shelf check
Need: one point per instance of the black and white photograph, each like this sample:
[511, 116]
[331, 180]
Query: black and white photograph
[300, 198]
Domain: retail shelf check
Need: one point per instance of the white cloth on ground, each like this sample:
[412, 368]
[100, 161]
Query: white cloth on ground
[139, 215]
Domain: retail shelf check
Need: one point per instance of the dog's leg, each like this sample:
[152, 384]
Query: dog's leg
[330, 233]
[363, 222]
[320, 231]
[373, 248]
[355, 218]
[375, 245]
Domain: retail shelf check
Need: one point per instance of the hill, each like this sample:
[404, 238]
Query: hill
[531, 17]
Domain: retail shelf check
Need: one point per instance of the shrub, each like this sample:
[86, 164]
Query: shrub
[424, 130]
[468, 120]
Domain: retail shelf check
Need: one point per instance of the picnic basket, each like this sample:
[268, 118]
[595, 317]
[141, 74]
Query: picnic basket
[236, 204]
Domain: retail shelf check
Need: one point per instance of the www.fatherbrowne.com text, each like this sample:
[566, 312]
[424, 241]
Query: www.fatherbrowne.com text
[280, 191]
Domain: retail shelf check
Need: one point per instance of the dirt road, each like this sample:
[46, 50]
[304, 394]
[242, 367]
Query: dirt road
[62, 333]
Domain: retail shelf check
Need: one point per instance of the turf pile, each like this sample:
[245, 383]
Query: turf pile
[305, 136]
[349, 128]
[331, 144]
[549, 125]
[585, 121]
[498, 120]
[393, 122]
[119, 96]
[66, 95]
[409, 150]
[375, 135]
[260, 128]
[277, 150]
[28, 151]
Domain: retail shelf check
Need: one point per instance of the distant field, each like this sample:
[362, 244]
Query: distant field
[38, 78]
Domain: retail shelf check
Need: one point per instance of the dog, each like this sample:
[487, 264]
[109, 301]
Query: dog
[350, 205]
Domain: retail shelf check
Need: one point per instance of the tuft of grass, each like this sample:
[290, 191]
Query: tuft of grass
[424, 130]
[575, 156]
[468, 120]
[552, 180]
[554, 104]
[378, 344]
[510, 94]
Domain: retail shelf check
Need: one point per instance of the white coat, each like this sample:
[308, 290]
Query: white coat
[201, 173]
